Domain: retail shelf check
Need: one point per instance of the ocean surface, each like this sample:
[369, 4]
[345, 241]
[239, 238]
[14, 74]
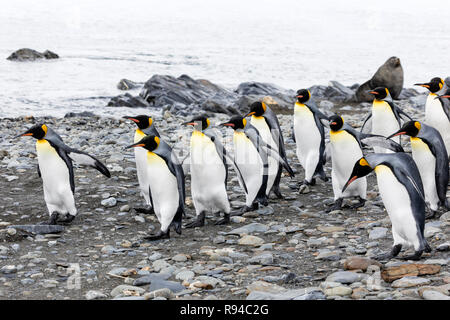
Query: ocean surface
[290, 43]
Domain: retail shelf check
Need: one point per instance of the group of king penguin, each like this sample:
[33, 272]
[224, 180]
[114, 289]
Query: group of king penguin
[407, 185]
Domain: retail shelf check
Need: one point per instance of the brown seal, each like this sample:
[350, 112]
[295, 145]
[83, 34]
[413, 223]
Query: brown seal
[389, 75]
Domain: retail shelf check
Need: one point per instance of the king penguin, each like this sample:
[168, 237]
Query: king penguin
[251, 157]
[401, 190]
[145, 127]
[209, 173]
[56, 170]
[266, 121]
[346, 146]
[385, 116]
[165, 179]
[430, 155]
[437, 108]
[309, 136]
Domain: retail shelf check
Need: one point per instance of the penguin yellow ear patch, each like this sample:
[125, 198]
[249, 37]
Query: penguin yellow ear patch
[208, 123]
[417, 125]
[44, 127]
[157, 140]
[363, 162]
[244, 122]
[387, 91]
[150, 121]
[264, 106]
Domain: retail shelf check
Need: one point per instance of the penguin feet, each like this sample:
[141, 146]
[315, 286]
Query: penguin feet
[416, 256]
[431, 215]
[145, 210]
[225, 220]
[159, 235]
[245, 209]
[388, 256]
[199, 222]
[67, 220]
[335, 206]
[277, 193]
[361, 203]
[52, 220]
[176, 226]
[309, 183]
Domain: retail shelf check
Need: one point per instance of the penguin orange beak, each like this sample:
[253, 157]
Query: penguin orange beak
[334, 123]
[443, 96]
[189, 123]
[349, 182]
[299, 96]
[249, 114]
[399, 133]
[228, 124]
[135, 145]
[373, 92]
[23, 135]
[425, 85]
[131, 118]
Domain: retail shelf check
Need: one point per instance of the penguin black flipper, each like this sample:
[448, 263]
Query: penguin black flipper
[374, 140]
[365, 121]
[83, 158]
[318, 116]
[165, 152]
[274, 126]
[39, 171]
[226, 159]
[62, 153]
[253, 135]
[220, 150]
[446, 105]
[398, 112]
[432, 138]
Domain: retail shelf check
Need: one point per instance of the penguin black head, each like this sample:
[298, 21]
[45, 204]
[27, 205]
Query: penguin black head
[303, 95]
[257, 109]
[148, 142]
[434, 85]
[236, 123]
[200, 123]
[38, 131]
[410, 128]
[380, 93]
[360, 169]
[142, 121]
[336, 122]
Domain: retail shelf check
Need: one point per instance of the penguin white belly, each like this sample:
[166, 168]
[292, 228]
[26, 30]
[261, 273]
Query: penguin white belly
[140, 154]
[384, 123]
[345, 151]
[56, 179]
[249, 163]
[436, 117]
[426, 163]
[207, 176]
[398, 206]
[308, 138]
[164, 189]
[265, 133]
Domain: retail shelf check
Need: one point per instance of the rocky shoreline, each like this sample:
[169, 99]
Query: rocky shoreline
[291, 249]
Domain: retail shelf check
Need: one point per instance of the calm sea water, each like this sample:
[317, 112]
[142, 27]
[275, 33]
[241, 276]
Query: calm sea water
[290, 43]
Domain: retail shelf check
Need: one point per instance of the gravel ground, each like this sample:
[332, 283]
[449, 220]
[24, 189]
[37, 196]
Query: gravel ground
[291, 249]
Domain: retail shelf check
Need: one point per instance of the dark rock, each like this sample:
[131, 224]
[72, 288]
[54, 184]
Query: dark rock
[256, 91]
[408, 93]
[148, 279]
[26, 54]
[187, 96]
[389, 75]
[86, 114]
[335, 92]
[127, 100]
[50, 55]
[160, 284]
[125, 84]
